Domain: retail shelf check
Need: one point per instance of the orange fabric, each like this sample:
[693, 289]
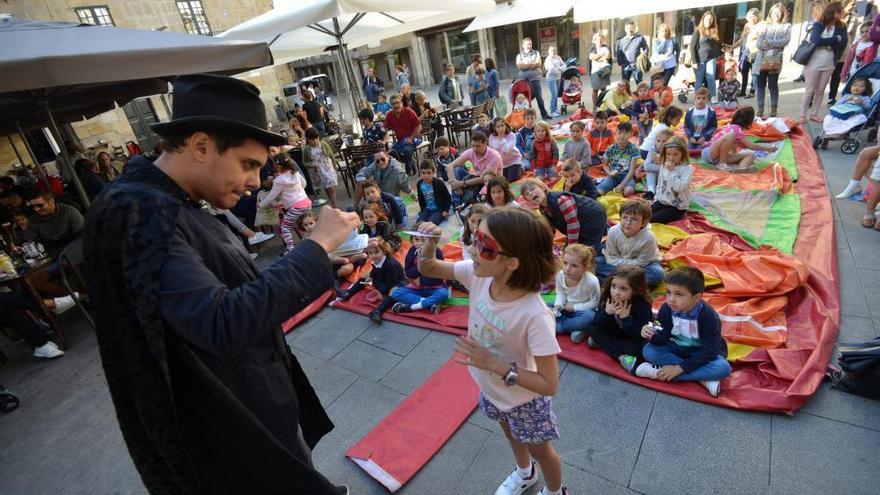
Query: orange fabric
[764, 272]
[764, 132]
[772, 178]
[516, 119]
[756, 321]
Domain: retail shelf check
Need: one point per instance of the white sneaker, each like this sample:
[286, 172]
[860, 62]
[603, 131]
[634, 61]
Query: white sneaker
[253, 255]
[714, 387]
[62, 304]
[849, 191]
[546, 491]
[516, 484]
[647, 370]
[48, 350]
[260, 237]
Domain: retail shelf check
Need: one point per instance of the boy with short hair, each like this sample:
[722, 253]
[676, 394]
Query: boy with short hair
[483, 125]
[661, 93]
[577, 181]
[700, 122]
[618, 161]
[644, 111]
[632, 243]
[421, 292]
[444, 154]
[525, 137]
[373, 132]
[434, 198]
[577, 147]
[600, 137]
[382, 107]
[393, 205]
[688, 346]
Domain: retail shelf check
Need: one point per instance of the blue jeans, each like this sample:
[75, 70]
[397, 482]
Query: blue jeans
[541, 172]
[706, 71]
[553, 86]
[670, 354]
[667, 75]
[631, 70]
[767, 80]
[431, 296]
[406, 151]
[654, 273]
[575, 321]
[512, 172]
[433, 216]
[609, 183]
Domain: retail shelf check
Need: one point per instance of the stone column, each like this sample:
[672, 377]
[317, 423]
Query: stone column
[392, 73]
[420, 61]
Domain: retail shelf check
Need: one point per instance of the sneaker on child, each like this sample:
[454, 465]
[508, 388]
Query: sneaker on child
[628, 362]
[853, 187]
[260, 237]
[400, 308]
[48, 350]
[578, 336]
[62, 304]
[546, 491]
[713, 386]
[647, 370]
[516, 483]
[592, 344]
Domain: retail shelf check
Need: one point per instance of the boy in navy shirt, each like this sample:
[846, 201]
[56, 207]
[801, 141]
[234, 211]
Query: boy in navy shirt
[689, 345]
[434, 199]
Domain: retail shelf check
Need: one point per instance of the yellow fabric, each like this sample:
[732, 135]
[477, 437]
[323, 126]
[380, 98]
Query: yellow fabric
[709, 281]
[738, 351]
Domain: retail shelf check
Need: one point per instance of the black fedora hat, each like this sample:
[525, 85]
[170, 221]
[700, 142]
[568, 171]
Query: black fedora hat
[207, 102]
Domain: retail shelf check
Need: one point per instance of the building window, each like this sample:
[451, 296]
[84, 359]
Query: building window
[98, 16]
[194, 18]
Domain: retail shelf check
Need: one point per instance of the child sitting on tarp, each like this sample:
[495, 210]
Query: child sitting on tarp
[618, 162]
[600, 137]
[577, 292]
[421, 292]
[577, 180]
[385, 275]
[673, 196]
[577, 147]
[444, 154]
[376, 225]
[434, 198]
[632, 243]
[525, 136]
[688, 346]
[724, 150]
[700, 122]
[391, 205]
[849, 111]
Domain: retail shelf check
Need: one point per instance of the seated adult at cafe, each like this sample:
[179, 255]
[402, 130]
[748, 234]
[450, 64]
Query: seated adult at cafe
[387, 172]
[55, 224]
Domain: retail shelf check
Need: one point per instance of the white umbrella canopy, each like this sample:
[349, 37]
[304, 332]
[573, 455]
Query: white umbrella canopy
[299, 29]
[593, 10]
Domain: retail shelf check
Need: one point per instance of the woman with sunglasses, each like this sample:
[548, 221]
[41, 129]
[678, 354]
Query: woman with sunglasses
[583, 220]
[511, 344]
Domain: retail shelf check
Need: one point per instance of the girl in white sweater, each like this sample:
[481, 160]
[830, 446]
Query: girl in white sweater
[577, 292]
[673, 194]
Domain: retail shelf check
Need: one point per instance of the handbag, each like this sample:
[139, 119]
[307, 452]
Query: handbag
[804, 52]
[267, 215]
[773, 66]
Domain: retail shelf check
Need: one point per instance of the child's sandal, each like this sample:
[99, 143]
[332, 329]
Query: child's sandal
[868, 221]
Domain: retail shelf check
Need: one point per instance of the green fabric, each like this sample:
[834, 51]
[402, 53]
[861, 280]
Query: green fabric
[775, 223]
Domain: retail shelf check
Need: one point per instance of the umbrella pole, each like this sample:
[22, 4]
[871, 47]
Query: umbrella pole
[15, 149]
[65, 159]
[37, 165]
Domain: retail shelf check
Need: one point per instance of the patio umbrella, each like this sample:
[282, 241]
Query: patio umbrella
[78, 70]
[299, 29]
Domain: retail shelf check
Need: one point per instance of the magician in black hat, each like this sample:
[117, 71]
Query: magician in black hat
[208, 395]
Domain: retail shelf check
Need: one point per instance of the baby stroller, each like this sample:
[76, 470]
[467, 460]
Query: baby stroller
[571, 70]
[520, 87]
[837, 129]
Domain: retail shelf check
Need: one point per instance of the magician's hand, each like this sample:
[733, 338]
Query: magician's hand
[333, 227]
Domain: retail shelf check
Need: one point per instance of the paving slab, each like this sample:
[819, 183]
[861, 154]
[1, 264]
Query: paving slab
[394, 337]
[328, 380]
[852, 295]
[813, 455]
[863, 243]
[492, 465]
[602, 421]
[830, 403]
[366, 360]
[354, 413]
[434, 350]
[871, 286]
[855, 329]
[327, 336]
[694, 448]
[447, 467]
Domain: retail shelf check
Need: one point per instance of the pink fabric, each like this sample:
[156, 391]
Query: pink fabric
[491, 160]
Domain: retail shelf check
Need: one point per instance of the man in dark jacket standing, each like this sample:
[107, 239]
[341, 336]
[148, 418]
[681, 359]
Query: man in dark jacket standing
[451, 93]
[208, 395]
[628, 50]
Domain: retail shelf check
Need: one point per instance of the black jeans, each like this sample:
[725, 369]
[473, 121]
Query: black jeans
[667, 75]
[662, 213]
[835, 81]
[13, 313]
[746, 67]
[631, 70]
[769, 80]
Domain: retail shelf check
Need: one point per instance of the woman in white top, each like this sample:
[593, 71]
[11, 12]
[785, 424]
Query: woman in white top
[600, 67]
[664, 52]
[829, 38]
[553, 67]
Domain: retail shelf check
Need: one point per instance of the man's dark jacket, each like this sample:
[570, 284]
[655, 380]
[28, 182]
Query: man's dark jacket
[208, 395]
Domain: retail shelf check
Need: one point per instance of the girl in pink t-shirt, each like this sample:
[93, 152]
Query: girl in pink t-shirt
[288, 190]
[511, 344]
[724, 148]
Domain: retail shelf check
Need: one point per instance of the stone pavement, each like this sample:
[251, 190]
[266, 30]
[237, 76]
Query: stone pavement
[617, 437]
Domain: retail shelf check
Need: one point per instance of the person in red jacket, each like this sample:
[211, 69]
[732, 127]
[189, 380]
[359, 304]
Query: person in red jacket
[407, 129]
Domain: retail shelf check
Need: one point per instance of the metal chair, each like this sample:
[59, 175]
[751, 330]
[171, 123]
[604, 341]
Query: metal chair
[355, 156]
[335, 142]
[459, 122]
[69, 261]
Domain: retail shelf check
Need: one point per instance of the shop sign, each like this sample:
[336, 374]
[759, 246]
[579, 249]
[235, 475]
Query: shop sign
[548, 37]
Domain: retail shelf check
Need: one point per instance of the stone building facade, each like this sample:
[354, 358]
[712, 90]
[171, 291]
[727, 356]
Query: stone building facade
[205, 17]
